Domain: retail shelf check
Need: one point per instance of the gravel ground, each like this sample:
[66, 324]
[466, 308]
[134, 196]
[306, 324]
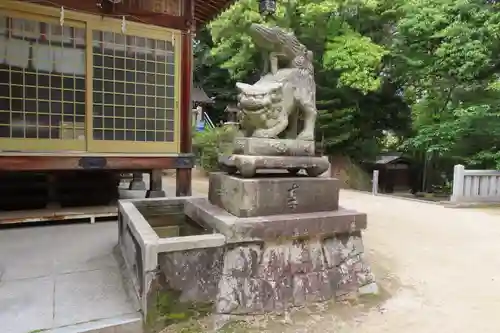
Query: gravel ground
[438, 268]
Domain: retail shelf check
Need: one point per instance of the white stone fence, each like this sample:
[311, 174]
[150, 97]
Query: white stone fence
[475, 186]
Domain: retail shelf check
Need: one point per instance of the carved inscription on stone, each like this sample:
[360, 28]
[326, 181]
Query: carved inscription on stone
[292, 197]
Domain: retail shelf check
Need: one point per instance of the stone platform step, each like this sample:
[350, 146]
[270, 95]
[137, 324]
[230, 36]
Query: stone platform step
[272, 227]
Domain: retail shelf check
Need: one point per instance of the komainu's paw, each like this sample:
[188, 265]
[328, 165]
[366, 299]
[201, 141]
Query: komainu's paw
[263, 134]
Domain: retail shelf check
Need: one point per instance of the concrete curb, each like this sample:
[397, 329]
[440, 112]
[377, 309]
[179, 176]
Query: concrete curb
[448, 204]
[392, 196]
[129, 323]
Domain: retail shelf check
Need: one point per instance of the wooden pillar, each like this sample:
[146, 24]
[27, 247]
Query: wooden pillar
[53, 195]
[183, 176]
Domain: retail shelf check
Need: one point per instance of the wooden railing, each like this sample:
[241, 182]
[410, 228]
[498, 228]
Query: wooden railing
[475, 185]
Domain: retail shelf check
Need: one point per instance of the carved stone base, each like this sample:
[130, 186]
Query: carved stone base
[275, 194]
[275, 276]
[273, 147]
[255, 278]
[248, 165]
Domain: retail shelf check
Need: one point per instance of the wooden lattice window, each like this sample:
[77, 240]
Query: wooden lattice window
[134, 97]
[42, 80]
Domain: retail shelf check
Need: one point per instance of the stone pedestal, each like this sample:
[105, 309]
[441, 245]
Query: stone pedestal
[288, 241]
[273, 194]
[274, 262]
[292, 243]
[273, 147]
[253, 154]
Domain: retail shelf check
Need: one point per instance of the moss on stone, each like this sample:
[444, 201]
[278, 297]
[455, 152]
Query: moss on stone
[235, 327]
[168, 310]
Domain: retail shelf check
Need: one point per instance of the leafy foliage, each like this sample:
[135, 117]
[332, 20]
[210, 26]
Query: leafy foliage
[424, 73]
[210, 143]
[447, 52]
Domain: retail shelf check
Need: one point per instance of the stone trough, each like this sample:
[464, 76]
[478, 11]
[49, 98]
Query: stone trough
[253, 246]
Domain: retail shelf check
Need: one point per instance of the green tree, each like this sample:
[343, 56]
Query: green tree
[349, 41]
[209, 74]
[446, 53]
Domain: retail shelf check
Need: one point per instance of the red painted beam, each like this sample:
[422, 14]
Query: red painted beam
[132, 14]
[186, 79]
[183, 176]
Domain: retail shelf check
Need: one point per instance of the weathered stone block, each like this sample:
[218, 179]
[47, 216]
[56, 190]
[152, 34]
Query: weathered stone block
[242, 261]
[238, 295]
[311, 287]
[306, 257]
[275, 262]
[276, 194]
[243, 289]
[342, 246]
[273, 147]
[277, 295]
[195, 273]
[348, 281]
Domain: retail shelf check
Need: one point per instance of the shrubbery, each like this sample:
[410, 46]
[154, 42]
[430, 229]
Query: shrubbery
[210, 143]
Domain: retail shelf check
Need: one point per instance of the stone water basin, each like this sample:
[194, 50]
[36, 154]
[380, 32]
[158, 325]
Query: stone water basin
[167, 254]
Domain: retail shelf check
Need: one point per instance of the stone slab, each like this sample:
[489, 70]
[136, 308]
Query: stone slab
[272, 227]
[273, 147]
[201, 210]
[272, 195]
[40, 250]
[247, 165]
[26, 305]
[93, 293]
[186, 243]
[300, 225]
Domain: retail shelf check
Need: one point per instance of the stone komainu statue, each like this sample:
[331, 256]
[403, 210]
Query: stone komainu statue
[272, 104]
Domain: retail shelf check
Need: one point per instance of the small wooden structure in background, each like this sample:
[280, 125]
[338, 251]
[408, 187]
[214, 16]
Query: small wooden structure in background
[393, 172]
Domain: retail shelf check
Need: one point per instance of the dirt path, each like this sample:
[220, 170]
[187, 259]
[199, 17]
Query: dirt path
[446, 261]
[439, 269]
